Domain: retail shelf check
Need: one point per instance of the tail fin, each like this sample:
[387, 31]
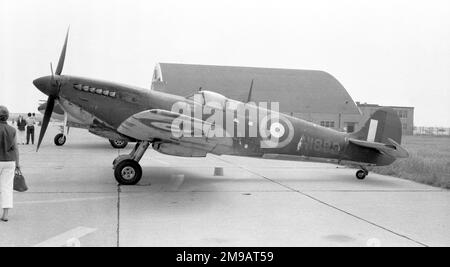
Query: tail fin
[383, 124]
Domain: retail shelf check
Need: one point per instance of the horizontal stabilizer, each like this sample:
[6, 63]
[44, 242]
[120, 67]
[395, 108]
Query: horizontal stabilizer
[390, 148]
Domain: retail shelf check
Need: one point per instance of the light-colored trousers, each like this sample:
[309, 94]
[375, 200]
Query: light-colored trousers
[7, 171]
[21, 137]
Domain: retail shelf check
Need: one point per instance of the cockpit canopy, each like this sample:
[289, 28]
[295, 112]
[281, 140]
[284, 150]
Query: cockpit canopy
[213, 99]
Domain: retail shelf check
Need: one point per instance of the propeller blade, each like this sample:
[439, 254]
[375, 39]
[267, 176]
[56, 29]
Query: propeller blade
[46, 120]
[53, 74]
[249, 98]
[62, 57]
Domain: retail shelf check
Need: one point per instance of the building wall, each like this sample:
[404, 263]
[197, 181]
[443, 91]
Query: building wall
[301, 91]
[354, 122]
[340, 122]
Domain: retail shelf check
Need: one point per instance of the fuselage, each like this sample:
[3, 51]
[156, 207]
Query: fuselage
[59, 114]
[110, 104]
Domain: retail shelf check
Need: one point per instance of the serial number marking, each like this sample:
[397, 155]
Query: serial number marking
[308, 143]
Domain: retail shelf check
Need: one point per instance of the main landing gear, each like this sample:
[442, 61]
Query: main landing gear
[127, 169]
[119, 144]
[361, 174]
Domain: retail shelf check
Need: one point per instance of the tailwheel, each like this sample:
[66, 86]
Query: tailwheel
[60, 139]
[118, 143]
[361, 174]
[128, 172]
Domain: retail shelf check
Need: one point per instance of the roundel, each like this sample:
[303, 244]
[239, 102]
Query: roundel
[277, 130]
[279, 134]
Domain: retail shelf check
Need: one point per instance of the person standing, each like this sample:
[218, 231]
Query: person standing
[9, 161]
[30, 129]
[34, 118]
[21, 124]
[36, 122]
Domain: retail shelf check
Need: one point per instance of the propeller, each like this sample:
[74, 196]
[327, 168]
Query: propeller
[249, 98]
[55, 86]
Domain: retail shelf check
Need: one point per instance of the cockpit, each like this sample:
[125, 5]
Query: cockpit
[213, 100]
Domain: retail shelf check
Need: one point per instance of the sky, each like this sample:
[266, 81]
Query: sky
[394, 52]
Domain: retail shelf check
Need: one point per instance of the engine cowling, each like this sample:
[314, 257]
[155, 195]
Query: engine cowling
[177, 150]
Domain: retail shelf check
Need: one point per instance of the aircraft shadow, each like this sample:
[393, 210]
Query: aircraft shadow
[169, 179]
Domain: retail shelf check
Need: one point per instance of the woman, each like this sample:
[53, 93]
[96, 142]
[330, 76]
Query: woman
[9, 161]
[21, 123]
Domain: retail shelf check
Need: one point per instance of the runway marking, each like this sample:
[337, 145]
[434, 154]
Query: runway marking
[63, 200]
[69, 238]
[334, 207]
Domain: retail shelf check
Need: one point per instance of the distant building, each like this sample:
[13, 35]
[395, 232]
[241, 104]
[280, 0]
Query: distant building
[434, 131]
[406, 115]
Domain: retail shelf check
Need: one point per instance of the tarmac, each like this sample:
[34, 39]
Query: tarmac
[74, 200]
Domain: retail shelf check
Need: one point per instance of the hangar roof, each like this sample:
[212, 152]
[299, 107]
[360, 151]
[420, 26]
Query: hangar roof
[365, 105]
[299, 91]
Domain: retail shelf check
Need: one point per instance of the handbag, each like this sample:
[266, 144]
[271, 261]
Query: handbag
[19, 181]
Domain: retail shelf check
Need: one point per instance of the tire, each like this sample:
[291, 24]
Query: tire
[119, 144]
[360, 175]
[119, 159]
[128, 172]
[60, 139]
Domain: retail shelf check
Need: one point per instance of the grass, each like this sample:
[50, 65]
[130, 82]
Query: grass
[428, 162]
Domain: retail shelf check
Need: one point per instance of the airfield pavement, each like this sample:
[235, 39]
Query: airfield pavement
[74, 201]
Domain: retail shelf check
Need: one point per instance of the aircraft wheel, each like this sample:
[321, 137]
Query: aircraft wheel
[120, 158]
[119, 144]
[128, 172]
[60, 139]
[361, 174]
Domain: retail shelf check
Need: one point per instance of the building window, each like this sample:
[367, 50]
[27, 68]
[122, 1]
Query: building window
[404, 126]
[328, 124]
[403, 114]
[350, 127]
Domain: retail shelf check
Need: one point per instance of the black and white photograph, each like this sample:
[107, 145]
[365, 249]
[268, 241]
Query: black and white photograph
[236, 127]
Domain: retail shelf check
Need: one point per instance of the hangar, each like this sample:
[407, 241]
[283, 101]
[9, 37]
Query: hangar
[312, 95]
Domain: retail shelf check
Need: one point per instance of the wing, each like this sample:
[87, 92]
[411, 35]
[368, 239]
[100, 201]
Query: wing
[392, 148]
[157, 124]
